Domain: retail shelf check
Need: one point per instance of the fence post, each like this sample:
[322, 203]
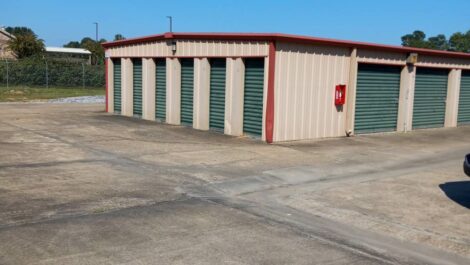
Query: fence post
[47, 76]
[8, 73]
[83, 76]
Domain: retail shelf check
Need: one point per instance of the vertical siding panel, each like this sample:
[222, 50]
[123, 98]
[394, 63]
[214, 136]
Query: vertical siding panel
[305, 94]
[311, 97]
[295, 89]
[287, 112]
[320, 113]
[284, 104]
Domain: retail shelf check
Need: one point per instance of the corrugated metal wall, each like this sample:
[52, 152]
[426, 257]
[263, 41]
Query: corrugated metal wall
[193, 48]
[442, 62]
[380, 57]
[304, 91]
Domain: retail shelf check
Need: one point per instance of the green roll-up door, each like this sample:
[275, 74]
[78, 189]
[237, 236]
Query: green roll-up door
[137, 87]
[377, 96]
[187, 91]
[464, 99]
[253, 97]
[117, 85]
[160, 93]
[217, 94]
[429, 106]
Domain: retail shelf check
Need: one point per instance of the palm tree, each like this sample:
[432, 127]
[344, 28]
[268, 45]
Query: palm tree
[26, 45]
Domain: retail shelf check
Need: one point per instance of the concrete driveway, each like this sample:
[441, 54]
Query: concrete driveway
[79, 186]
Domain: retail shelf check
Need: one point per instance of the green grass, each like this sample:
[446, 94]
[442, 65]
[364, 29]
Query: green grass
[23, 94]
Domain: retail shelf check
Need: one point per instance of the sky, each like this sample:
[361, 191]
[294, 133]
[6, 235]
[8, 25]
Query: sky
[378, 21]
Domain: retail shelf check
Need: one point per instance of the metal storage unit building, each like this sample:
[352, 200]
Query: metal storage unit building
[280, 87]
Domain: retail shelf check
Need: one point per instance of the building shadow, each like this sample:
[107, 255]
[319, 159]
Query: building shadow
[458, 191]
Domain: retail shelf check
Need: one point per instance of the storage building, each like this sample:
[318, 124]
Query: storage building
[280, 87]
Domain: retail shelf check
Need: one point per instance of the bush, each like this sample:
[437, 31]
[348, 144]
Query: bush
[32, 72]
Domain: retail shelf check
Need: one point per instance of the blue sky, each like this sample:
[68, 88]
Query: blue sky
[380, 21]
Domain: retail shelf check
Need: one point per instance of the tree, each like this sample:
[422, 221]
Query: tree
[119, 37]
[72, 44]
[26, 44]
[416, 39]
[438, 42]
[20, 31]
[97, 51]
[460, 42]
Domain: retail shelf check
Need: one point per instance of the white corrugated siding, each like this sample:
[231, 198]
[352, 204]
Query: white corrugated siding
[442, 62]
[380, 57]
[149, 49]
[221, 48]
[306, 76]
[193, 48]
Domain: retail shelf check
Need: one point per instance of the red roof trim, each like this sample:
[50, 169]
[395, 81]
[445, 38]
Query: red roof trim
[283, 37]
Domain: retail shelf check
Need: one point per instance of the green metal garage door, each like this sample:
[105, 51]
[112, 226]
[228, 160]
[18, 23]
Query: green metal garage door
[464, 100]
[137, 87]
[253, 97]
[117, 85]
[217, 94]
[187, 88]
[377, 95]
[160, 93]
[429, 105]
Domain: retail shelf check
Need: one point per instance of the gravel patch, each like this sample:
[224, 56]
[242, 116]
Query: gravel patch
[80, 100]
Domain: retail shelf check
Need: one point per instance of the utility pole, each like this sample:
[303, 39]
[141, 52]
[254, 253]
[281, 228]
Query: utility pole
[171, 23]
[96, 30]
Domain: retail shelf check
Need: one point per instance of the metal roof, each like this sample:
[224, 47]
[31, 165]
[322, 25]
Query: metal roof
[283, 37]
[68, 50]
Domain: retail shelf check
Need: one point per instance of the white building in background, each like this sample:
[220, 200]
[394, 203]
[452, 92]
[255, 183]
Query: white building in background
[69, 54]
[5, 53]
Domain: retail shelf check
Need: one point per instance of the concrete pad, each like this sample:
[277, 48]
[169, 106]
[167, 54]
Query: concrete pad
[80, 186]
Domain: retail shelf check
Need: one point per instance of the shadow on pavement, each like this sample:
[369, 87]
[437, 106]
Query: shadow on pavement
[458, 191]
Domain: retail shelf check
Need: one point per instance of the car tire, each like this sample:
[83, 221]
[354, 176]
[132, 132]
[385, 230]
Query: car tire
[466, 165]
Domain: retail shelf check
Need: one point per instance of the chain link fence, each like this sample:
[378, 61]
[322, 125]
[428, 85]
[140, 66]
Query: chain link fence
[34, 79]
[50, 73]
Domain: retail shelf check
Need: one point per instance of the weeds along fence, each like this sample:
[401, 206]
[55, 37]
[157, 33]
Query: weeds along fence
[40, 72]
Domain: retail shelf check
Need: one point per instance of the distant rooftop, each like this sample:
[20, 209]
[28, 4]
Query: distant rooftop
[6, 33]
[68, 50]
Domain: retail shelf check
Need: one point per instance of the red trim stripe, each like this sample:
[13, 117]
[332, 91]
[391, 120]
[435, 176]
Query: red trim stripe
[269, 129]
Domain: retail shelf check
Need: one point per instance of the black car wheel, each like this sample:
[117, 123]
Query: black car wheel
[466, 165]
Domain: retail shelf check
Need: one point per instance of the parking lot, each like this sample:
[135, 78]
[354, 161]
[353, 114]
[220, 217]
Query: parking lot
[80, 186]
